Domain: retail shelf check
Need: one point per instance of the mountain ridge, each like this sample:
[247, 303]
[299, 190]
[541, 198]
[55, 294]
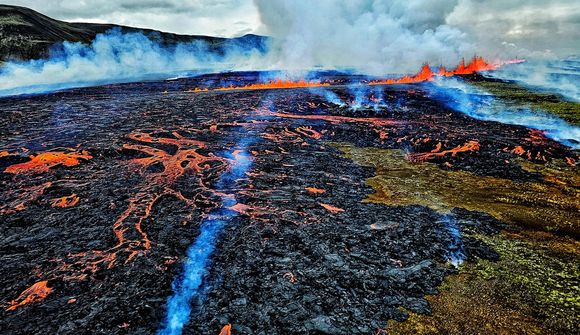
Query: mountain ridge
[26, 34]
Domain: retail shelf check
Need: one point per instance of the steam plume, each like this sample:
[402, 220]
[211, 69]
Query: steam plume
[374, 37]
[556, 76]
[117, 57]
[381, 37]
[483, 106]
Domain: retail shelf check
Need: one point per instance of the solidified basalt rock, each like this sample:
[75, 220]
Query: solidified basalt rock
[305, 252]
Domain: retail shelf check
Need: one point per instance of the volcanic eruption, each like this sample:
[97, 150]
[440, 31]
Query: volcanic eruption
[357, 171]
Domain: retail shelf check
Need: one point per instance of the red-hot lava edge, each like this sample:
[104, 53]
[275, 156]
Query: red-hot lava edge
[477, 64]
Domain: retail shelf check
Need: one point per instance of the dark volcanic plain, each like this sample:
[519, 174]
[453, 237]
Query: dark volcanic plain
[139, 164]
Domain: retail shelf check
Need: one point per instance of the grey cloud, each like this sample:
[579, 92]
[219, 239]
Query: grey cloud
[209, 17]
[375, 35]
[532, 26]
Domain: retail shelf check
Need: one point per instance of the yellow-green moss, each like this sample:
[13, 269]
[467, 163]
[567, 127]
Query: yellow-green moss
[532, 289]
[13, 20]
[553, 203]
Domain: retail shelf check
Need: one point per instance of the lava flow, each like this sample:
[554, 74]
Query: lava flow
[34, 293]
[66, 201]
[226, 330]
[276, 84]
[280, 192]
[477, 64]
[132, 239]
[44, 161]
[470, 146]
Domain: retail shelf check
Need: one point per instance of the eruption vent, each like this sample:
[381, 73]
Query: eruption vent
[477, 64]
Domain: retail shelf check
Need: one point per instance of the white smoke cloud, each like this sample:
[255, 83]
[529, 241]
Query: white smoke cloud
[116, 57]
[375, 37]
[556, 76]
[394, 36]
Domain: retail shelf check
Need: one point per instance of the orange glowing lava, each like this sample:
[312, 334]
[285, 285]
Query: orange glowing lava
[241, 208]
[44, 161]
[470, 146]
[174, 165]
[276, 84]
[160, 170]
[309, 132]
[226, 330]
[23, 198]
[331, 208]
[34, 293]
[424, 75]
[66, 201]
[315, 190]
[476, 64]
[340, 119]
[528, 154]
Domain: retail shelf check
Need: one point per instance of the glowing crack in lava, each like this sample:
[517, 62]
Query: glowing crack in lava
[276, 84]
[198, 255]
[66, 201]
[131, 238]
[470, 146]
[226, 330]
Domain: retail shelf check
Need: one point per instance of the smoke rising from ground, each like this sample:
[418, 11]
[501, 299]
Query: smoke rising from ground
[556, 76]
[117, 57]
[375, 37]
[481, 105]
[385, 36]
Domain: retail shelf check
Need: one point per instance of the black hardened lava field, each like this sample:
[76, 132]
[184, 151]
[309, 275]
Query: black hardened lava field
[305, 208]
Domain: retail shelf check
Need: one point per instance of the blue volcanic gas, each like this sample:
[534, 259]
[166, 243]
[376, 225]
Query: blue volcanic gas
[188, 286]
[481, 105]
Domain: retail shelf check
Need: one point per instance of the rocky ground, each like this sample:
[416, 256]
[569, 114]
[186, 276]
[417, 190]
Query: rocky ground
[347, 220]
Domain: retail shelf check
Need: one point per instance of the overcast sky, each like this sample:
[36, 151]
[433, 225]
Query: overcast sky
[523, 26]
[205, 17]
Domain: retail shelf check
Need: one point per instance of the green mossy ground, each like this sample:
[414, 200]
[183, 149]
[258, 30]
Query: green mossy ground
[533, 289]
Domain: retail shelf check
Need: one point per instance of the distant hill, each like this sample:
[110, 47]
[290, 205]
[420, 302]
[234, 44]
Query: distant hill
[26, 34]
